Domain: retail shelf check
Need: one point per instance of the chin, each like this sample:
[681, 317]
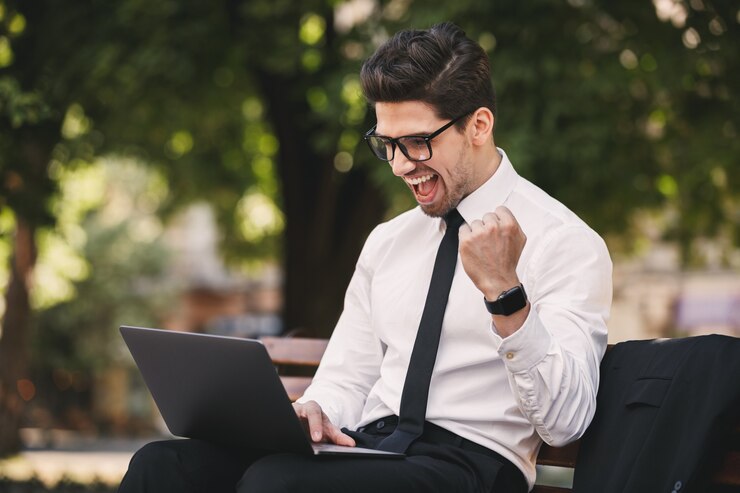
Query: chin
[435, 210]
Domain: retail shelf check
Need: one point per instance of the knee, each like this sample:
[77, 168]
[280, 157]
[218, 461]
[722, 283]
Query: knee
[149, 469]
[154, 456]
[273, 474]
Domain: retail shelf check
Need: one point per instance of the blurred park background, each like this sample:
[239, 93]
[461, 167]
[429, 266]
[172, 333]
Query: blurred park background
[199, 165]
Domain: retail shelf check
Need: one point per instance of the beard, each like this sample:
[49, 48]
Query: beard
[456, 188]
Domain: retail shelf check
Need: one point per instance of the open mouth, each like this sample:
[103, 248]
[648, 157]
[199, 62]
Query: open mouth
[424, 186]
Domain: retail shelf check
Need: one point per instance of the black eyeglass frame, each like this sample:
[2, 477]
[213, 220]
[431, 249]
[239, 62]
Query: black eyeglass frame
[396, 142]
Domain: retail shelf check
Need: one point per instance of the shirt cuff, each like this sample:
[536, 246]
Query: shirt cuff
[526, 347]
[331, 412]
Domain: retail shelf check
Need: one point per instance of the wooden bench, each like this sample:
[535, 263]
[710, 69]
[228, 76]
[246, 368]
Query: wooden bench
[298, 358]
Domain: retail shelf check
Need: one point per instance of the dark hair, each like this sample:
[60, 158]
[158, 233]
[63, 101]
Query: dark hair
[439, 66]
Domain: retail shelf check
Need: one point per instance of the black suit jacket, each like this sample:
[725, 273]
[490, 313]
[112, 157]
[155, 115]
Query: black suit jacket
[662, 405]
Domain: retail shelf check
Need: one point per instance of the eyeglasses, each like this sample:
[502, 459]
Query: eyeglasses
[414, 147]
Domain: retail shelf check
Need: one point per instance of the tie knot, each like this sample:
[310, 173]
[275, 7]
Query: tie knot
[454, 220]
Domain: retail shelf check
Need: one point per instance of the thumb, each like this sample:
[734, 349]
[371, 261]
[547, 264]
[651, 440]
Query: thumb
[339, 438]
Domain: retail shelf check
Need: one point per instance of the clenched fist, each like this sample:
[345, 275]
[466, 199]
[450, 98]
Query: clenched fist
[489, 250]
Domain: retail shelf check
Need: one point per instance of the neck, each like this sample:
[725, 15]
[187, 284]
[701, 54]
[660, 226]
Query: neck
[487, 162]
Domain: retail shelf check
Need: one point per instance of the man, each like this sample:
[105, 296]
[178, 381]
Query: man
[465, 363]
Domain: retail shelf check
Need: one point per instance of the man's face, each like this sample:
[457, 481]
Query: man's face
[440, 183]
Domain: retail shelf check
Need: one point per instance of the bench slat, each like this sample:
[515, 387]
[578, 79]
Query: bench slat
[295, 351]
[295, 386]
[558, 456]
[538, 488]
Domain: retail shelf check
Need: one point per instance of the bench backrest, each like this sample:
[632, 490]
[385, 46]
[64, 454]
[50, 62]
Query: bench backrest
[295, 357]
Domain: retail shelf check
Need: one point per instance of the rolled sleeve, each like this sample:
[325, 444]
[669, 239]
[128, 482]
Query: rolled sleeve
[553, 359]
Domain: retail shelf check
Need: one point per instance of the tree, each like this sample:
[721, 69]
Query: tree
[165, 83]
[617, 108]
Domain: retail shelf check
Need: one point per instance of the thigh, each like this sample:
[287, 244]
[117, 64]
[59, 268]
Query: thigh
[185, 466]
[290, 473]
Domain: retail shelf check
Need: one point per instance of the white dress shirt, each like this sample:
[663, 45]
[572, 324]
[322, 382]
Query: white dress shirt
[505, 394]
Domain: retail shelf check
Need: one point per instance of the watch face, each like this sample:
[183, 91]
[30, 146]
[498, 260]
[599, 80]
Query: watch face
[509, 302]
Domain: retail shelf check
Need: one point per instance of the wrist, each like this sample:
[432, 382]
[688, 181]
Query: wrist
[507, 325]
[507, 302]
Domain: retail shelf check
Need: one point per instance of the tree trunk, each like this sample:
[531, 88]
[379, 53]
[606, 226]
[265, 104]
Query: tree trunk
[14, 342]
[328, 215]
[28, 199]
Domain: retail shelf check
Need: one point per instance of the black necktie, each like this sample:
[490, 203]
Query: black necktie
[416, 387]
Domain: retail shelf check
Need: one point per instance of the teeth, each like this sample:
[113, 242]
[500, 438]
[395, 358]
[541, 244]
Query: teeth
[419, 179]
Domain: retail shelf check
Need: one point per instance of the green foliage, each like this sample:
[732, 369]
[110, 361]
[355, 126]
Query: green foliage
[21, 108]
[601, 103]
[614, 110]
[123, 275]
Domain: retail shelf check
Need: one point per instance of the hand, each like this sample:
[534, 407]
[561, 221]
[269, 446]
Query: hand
[490, 249]
[320, 428]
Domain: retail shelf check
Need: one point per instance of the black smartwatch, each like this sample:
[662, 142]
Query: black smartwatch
[508, 302]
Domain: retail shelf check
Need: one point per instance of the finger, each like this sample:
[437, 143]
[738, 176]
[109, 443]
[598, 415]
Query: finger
[508, 223]
[476, 225]
[335, 435]
[491, 218]
[315, 418]
[504, 213]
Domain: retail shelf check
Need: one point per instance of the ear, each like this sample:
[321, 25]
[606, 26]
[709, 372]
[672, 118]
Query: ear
[481, 126]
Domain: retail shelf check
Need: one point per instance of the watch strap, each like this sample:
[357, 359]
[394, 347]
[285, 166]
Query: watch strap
[508, 302]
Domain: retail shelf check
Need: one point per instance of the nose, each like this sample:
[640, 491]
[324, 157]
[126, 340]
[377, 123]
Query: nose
[400, 164]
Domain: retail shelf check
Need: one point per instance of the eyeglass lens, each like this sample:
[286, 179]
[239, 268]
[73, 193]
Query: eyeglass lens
[414, 148]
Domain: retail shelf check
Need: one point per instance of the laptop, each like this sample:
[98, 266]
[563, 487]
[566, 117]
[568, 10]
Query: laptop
[224, 390]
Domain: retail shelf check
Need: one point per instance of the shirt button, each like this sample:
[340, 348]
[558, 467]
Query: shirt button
[380, 425]
[509, 355]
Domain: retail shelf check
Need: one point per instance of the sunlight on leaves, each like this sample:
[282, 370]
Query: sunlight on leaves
[648, 63]
[317, 99]
[258, 216]
[343, 162]
[312, 29]
[349, 140]
[17, 25]
[82, 189]
[691, 38]
[264, 172]
[180, 144]
[6, 53]
[311, 60]
[252, 109]
[75, 124]
[667, 186]
[487, 41]
[655, 127]
[114, 192]
[59, 266]
[628, 59]
[353, 98]
[671, 10]
[268, 144]
[352, 13]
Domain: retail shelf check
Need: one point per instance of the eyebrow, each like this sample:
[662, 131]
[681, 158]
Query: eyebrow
[417, 134]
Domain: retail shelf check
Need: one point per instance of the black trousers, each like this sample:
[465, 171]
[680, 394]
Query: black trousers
[432, 464]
